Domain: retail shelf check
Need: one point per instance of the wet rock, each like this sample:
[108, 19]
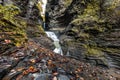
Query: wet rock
[46, 42]
[63, 77]
[86, 28]
[3, 72]
[49, 65]
[43, 77]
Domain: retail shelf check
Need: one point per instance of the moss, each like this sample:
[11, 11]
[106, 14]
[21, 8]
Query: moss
[112, 50]
[92, 9]
[67, 2]
[84, 35]
[70, 43]
[41, 30]
[35, 30]
[11, 27]
[75, 29]
[90, 12]
[93, 51]
[39, 6]
[96, 27]
[8, 12]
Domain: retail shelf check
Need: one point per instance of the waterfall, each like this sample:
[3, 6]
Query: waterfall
[53, 36]
[50, 34]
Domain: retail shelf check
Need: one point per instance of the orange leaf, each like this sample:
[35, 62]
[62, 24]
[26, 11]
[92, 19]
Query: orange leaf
[25, 72]
[7, 41]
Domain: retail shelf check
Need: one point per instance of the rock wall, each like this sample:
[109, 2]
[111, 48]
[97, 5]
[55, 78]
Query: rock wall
[19, 22]
[57, 12]
[91, 28]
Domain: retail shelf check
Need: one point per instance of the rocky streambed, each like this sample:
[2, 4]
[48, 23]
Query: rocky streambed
[34, 62]
[91, 29]
[90, 34]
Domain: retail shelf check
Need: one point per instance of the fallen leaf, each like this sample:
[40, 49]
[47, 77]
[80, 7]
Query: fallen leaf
[7, 41]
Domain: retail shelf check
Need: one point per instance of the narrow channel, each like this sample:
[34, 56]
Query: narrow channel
[50, 34]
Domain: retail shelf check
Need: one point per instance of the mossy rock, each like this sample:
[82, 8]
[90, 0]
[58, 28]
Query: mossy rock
[112, 50]
[35, 30]
[12, 29]
[67, 2]
[93, 51]
[39, 6]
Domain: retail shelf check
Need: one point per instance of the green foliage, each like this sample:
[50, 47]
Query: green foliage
[8, 12]
[11, 26]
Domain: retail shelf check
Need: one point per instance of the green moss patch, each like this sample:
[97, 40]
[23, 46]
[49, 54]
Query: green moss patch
[12, 29]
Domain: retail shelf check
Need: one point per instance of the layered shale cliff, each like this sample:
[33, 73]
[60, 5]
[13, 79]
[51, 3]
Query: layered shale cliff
[92, 30]
[88, 31]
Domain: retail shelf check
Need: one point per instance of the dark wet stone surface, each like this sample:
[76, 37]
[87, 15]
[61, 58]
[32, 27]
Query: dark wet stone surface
[41, 63]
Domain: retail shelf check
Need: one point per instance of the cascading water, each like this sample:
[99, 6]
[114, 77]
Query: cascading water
[50, 34]
[56, 42]
[113, 61]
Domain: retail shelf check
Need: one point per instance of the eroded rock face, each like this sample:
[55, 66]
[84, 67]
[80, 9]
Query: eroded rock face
[91, 28]
[57, 12]
[20, 20]
[36, 62]
[29, 9]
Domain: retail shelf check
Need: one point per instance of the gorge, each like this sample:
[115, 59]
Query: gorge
[50, 34]
[59, 40]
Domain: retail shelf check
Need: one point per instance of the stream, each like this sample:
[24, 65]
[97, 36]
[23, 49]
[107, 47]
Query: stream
[44, 59]
[53, 36]
[57, 50]
[113, 60]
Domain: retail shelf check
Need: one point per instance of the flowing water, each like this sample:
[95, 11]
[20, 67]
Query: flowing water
[58, 49]
[50, 34]
[53, 36]
[112, 60]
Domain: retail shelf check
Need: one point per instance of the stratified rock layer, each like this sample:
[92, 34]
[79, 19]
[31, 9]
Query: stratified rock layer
[35, 62]
[91, 31]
